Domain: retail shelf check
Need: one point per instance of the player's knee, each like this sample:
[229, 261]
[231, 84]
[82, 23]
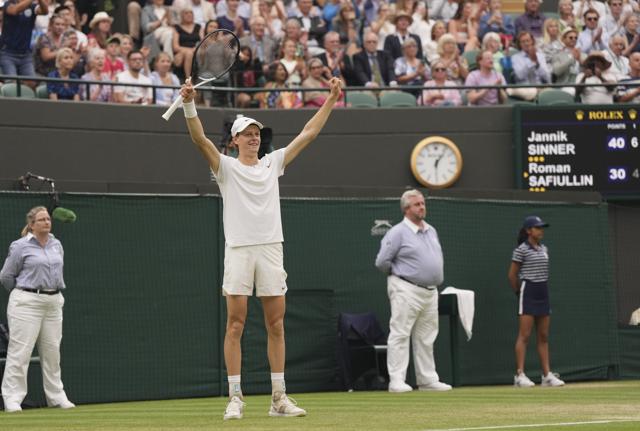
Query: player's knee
[235, 327]
[276, 327]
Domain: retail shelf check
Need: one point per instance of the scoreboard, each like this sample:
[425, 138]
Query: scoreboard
[578, 147]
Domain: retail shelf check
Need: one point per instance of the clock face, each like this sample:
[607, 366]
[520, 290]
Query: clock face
[436, 162]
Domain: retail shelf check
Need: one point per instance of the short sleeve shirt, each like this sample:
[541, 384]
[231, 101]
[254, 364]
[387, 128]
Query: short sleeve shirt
[534, 262]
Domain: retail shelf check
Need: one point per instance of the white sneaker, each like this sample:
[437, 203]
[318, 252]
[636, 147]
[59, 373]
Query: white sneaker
[283, 406]
[435, 386]
[12, 407]
[551, 379]
[66, 404]
[522, 381]
[399, 387]
[235, 409]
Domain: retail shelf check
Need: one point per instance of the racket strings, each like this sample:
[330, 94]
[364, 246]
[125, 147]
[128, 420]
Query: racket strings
[215, 55]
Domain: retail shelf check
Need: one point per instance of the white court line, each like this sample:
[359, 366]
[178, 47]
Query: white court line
[559, 424]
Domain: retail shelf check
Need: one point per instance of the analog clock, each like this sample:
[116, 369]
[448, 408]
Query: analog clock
[436, 162]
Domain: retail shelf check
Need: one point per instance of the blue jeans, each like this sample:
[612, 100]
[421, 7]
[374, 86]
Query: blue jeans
[12, 63]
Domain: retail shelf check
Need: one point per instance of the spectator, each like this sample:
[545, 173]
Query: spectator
[211, 26]
[630, 94]
[405, 6]
[186, 36]
[42, 21]
[330, 10]
[492, 42]
[346, 25]
[134, 14]
[393, 42]
[567, 18]
[248, 72]
[443, 9]
[615, 55]
[565, 64]
[440, 96]
[76, 21]
[438, 30]
[613, 21]
[337, 62]
[64, 66]
[263, 47]
[162, 75]
[464, 27]
[48, 45]
[295, 65]
[409, 69]
[70, 40]
[112, 62]
[551, 42]
[485, 75]
[529, 66]
[316, 80]
[422, 24]
[126, 45]
[157, 26]
[131, 94]
[580, 7]
[274, 17]
[100, 26]
[293, 31]
[244, 8]
[279, 98]
[373, 67]
[495, 21]
[203, 10]
[311, 20]
[383, 26]
[448, 52]
[18, 22]
[370, 10]
[96, 92]
[593, 37]
[596, 71]
[69, 17]
[531, 20]
[632, 35]
[232, 20]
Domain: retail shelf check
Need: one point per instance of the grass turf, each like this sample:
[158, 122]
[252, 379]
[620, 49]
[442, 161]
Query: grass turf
[462, 408]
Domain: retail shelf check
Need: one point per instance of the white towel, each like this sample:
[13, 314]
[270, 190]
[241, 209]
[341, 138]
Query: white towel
[466, 307]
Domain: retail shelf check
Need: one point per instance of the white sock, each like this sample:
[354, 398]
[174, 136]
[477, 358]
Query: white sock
[277, 383]
[234, 387]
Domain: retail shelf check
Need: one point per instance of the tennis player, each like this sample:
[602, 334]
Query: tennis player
[253, 235]
[528, 277]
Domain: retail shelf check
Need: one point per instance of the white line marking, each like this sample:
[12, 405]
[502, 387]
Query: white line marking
[560, 424]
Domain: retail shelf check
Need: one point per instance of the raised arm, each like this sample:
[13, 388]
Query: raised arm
[315, 125]
[206, 147]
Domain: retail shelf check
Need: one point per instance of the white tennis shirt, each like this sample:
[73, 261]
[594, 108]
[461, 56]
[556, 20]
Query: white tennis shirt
[251, 200]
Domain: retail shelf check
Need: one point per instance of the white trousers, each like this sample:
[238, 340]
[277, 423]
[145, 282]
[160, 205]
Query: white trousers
[33, 318]
[414, 317]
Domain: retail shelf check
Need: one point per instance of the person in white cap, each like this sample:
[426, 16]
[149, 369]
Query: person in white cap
[253, 235]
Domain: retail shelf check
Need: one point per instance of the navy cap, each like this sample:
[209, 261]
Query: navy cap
[534, 221]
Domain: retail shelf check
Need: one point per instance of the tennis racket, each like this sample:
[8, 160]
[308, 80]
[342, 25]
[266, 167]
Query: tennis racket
[213, 57]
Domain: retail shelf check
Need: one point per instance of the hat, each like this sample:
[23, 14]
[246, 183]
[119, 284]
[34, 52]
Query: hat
[534, 221]
[114, 39]
[242, 123]
[402, 14]
[597, 57]
[568, 30]
[100, 16]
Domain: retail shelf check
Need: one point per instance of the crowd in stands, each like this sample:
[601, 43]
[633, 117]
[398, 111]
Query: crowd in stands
[424, 47]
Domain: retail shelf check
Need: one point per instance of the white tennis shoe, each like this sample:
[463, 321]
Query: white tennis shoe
[283, 406]
[235, 409]
[10, 407]
[435, 386]
[399, 387]
[551, 379]
[522, 381]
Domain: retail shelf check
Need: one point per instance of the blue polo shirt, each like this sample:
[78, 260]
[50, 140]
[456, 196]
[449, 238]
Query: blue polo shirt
[16, 29]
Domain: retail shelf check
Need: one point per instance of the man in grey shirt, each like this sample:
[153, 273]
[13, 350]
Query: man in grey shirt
[411, 256]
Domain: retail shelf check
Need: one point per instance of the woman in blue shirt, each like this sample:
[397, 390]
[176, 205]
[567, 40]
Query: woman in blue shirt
[64, 66]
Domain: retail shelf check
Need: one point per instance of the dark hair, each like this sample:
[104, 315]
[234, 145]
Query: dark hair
[60, 8]
[273, 69]
[458, 14]
[523, 235]
[134, 51]
[520, 35]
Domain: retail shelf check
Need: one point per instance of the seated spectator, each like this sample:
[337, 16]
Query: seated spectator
[232, 20]
[441, 96]
[247, 73]
[615, 55]
[405, 6]
[492, 42]
[210, 27]
[295, 65]
[596, 71]
[393, 42]
[580, 7]
[337, 62]
[70, 40]
[244, 8]
[112, 62]
[100, 26]
[593, 37]
[347, 25]
[69, 16]
[613, 21]
[316, 80]
[551, 42]
[443, 10]
[186, 36]
[626, 94]
[438, 30]
[373, 67]
[162, 75]
[263, 47]
[203, 10]
[131, 94]
[565, 64]
[632, 34]
[383, 25]
[76, 21]
[274, 17]
[449, 54]
[48, 45]
[497, 22]
[529, 67]
[157, 27]
[464, 27]
[567, 18]
[310, 18]
[64, 66]
[532, 20]
[280, 97]
[409, 69]
[293, 31]
[97, 92]
[126, 46]
[485, 75]
[422, 24]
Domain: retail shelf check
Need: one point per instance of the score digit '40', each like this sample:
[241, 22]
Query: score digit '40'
[617, 143]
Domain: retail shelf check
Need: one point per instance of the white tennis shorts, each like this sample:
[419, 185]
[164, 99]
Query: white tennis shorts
[260, 265]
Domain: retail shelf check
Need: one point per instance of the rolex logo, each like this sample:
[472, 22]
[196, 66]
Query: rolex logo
[580, 115]
[633, 114]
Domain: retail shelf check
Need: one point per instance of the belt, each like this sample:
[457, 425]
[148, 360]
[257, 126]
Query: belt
[416, 284]
[39, 291]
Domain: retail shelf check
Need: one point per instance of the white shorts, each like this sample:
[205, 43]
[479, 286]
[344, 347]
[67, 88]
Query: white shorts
[261, 265]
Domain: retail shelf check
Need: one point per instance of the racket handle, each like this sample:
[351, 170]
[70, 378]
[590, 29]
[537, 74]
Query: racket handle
[175, 105]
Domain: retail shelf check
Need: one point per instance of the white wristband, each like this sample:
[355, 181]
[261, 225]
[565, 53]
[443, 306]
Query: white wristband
[189, 109]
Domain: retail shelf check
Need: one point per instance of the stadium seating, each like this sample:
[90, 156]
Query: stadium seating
[41, 92]
[11, 90]
[552, 96]
[397, 99]
[360, 99]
